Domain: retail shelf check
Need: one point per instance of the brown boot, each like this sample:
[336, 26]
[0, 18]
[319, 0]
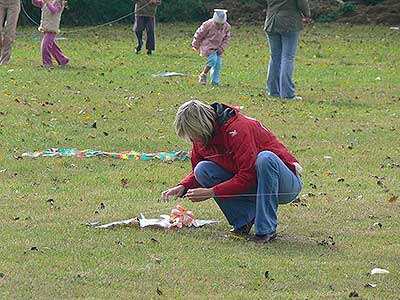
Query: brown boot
[244, 230]
[265, 238]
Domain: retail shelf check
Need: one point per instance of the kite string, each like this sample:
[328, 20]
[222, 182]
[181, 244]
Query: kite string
[88, 28]
[163, 209]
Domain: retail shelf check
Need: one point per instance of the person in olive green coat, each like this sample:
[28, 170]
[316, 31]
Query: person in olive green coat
[283, 24]
[145, 15]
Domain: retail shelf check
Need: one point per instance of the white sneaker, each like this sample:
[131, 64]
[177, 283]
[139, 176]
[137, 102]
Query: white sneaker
[203, 78]
[299, 98]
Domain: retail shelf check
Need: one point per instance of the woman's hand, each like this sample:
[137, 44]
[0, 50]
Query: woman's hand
[200, 194]
[307, 20]
[175, 191]
[195, 49]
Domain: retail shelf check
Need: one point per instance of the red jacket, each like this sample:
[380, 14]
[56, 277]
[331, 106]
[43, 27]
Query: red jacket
[237, 141]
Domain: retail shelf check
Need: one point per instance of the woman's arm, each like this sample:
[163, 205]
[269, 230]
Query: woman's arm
[54, 7]
[37, 3]
[190, 182]
[304, 8]
[244, 153]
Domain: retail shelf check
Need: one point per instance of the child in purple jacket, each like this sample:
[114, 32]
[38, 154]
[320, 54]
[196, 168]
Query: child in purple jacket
[212, 38]
[50, 25]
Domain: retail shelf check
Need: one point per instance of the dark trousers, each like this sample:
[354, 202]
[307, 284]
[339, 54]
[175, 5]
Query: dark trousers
[148, 23]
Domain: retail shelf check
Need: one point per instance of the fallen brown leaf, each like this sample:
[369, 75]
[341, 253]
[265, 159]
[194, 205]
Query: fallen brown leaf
[124, 183]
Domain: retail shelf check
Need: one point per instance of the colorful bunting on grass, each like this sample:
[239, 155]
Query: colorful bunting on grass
[129, 155]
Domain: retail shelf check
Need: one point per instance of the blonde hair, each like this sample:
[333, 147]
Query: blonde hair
[195, 120]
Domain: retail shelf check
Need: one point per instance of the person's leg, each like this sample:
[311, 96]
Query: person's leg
[216, 71]
[2, 17]
[210, 64]
[203, 75]
[47, 45]
[150, 34]
[138, 27]
[239, 210]
[274, 65]
[212, 61]
[206, 69]
[289, 46]
[9, 32]
[276, 184]
[59, 55]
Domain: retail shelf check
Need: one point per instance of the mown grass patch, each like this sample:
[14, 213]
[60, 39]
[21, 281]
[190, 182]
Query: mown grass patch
[345, 133]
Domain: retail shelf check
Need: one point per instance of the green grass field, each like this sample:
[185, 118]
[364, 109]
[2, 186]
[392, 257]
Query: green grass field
[345, 134]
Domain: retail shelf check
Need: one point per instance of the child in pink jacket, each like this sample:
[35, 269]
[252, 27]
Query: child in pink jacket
[50, 25]
[212, 38]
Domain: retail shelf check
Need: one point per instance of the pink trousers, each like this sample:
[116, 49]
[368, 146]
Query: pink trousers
[50, 48]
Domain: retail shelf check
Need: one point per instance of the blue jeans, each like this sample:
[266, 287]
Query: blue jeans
[276, 184]
[282, 49]
[215, 62]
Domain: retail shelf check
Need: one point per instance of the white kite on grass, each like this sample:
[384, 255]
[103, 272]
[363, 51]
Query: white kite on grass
[179, 217]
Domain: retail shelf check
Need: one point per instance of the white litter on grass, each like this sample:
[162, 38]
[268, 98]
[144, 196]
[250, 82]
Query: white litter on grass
[378, 271]
[92, 223]
[370, 285]
[168, 74]
[377, 224]
[327, 157]
[395, 28]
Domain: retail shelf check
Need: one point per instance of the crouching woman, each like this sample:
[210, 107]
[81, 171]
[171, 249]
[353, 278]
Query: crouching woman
[238, 162]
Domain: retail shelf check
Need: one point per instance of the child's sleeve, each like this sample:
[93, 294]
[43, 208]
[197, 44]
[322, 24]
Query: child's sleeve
[55, 7]
[199, 36]
[225, 41]
[37, 3]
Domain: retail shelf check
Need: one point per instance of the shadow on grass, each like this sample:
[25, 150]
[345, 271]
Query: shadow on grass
[343, 103]
[67, 68]
[283, 244]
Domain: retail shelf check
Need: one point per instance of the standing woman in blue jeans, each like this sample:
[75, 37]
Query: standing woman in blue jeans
[283, 24]
[238, 162]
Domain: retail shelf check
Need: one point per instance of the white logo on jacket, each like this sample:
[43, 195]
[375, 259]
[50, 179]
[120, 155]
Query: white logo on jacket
[233, 133]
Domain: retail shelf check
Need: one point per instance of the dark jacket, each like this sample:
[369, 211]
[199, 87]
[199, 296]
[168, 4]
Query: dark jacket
[286, 15]
[144, 8]
[235, 145]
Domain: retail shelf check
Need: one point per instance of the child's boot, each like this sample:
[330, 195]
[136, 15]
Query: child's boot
[203, 78]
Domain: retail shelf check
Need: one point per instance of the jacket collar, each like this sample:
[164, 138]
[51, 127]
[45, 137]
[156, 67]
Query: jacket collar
[224, 112]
